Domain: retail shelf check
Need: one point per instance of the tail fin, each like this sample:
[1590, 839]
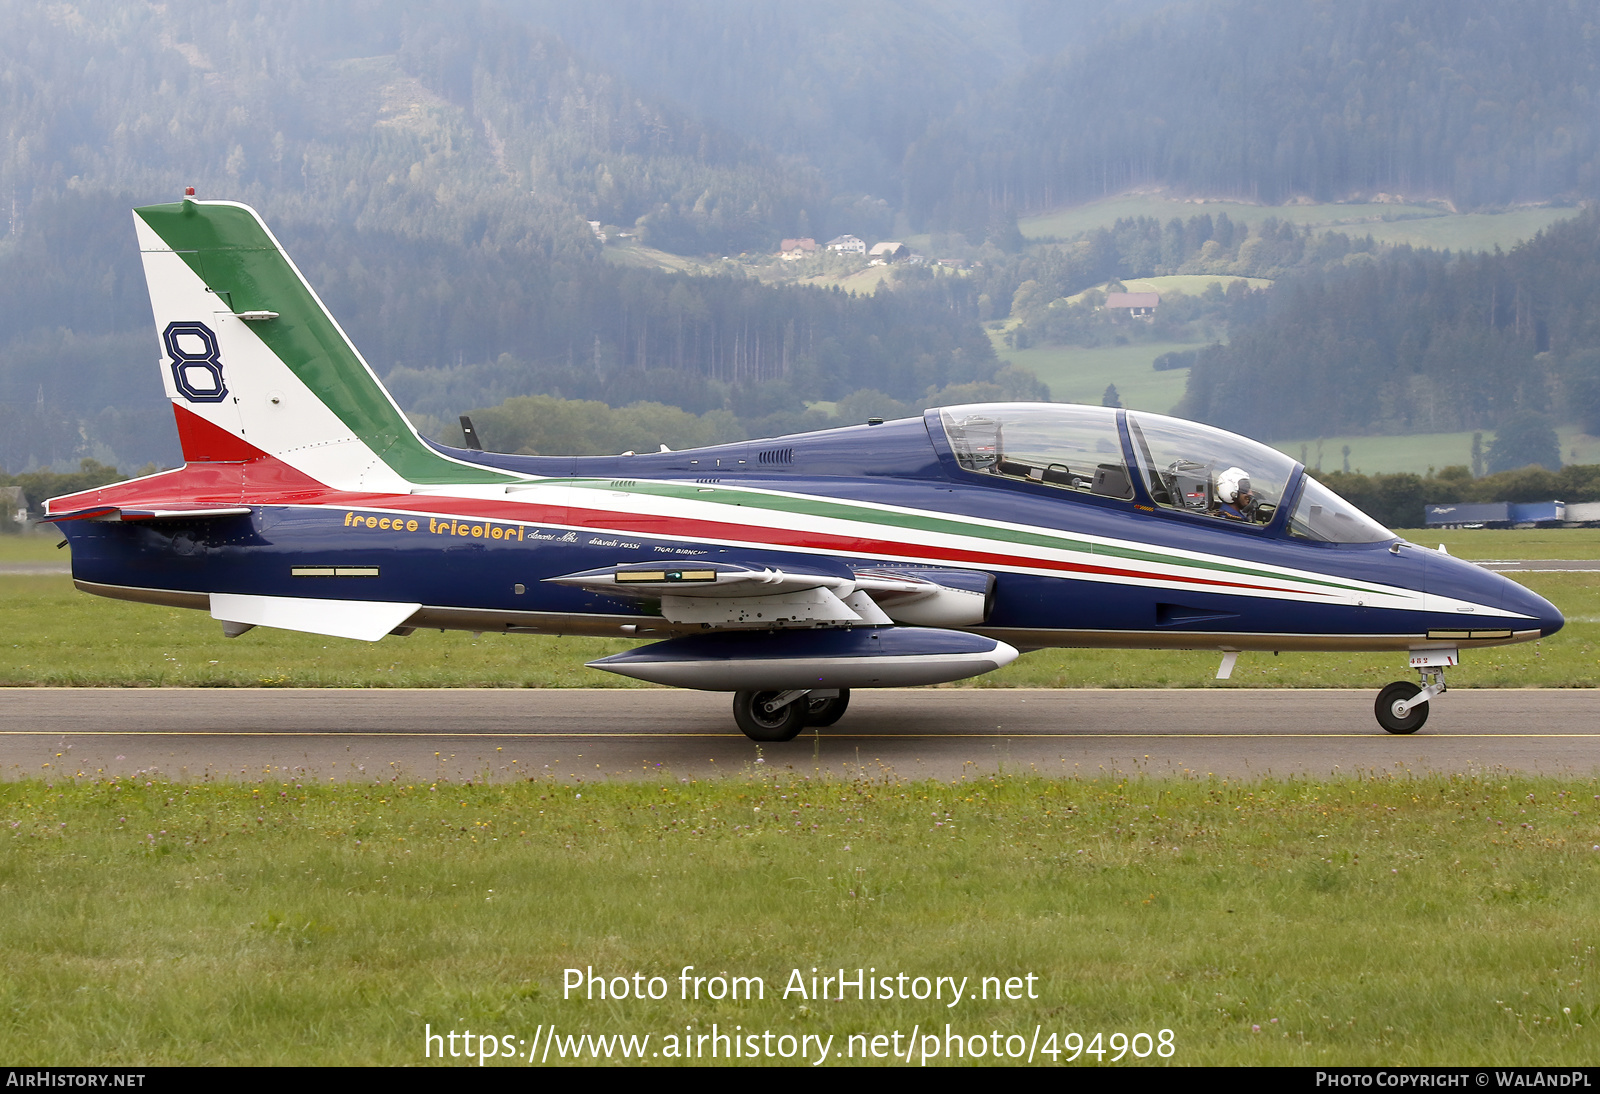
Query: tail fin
[249, 353]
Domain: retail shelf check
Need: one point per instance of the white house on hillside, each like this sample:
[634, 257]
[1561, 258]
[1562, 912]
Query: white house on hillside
[1138, 305]
[847, 245]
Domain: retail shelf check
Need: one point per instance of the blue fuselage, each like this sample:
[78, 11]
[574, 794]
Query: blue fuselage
[1071, 568]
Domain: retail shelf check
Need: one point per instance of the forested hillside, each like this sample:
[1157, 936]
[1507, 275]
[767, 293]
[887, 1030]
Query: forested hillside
[839, 84]
[1417, 342]
[1478, 101]
[431, 167]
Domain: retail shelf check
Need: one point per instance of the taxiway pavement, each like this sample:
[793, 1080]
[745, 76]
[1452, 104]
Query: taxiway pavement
[460, 734]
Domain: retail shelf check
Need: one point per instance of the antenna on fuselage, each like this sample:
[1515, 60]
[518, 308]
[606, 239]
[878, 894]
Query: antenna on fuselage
[470, 434]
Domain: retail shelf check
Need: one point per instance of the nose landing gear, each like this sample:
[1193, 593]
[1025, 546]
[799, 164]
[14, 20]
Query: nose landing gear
[1402, 707]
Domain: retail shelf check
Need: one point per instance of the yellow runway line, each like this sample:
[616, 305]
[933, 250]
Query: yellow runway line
[741, 737]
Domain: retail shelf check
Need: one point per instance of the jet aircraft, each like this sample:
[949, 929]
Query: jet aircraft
[787, 571]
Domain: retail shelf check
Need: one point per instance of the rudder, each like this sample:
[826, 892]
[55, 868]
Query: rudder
[250, 352]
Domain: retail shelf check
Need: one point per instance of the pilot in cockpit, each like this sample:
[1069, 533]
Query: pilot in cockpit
[1234, 499]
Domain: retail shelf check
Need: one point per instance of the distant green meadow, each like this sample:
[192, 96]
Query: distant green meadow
[53, 635]
[1188, 284]
[1413, 225]
[1076, 374]
[1416, 452]
[1110, 922]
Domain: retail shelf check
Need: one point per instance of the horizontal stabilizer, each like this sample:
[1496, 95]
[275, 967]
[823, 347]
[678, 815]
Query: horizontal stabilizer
[125, 513]
[858, 657]
[368, 620]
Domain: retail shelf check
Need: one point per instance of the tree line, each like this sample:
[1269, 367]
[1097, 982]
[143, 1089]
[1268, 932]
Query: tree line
[1416, 342]
[1400, 500]
[1482, 102]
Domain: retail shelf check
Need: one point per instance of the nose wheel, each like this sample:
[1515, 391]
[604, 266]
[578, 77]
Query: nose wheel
[1402, 706]
[1394, 710]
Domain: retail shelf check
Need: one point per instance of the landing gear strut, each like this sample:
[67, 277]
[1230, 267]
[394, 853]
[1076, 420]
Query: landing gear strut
[1403, 707]
[781, 715]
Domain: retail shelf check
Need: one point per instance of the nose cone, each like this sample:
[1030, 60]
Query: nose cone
[1460, 584]
[1527, 602]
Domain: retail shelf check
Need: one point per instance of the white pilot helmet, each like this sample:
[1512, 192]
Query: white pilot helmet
[1231, 483]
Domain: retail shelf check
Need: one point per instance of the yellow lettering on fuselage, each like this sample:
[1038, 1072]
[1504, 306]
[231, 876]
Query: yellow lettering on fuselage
[436, 526]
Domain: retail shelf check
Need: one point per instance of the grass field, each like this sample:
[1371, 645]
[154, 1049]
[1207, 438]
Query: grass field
[57, 636]
[633, 253]
[1423, 226]
[34, 547]
[864, 281]
[1079, 375]
[1417, 452]
[1466, 232]
[1190, 284]
[1389, 920]
[1501, 543]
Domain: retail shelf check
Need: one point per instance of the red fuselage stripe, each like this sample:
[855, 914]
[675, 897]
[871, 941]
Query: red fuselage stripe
[205, 480]
[596, 520]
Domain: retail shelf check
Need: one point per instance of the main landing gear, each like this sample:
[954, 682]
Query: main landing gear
[1402, 707]
[781, 715]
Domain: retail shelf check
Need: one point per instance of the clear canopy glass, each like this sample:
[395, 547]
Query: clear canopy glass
[1322, 515]
[1065, 445]
[1202, 469]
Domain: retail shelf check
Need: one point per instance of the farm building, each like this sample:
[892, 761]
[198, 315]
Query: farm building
[1138, 305]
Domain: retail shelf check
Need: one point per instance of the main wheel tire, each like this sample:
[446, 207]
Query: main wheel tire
[825, 712]
[1399, 692]
[760, 724]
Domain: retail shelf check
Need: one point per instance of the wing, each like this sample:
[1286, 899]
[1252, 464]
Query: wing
[822, 627]
[723, 594]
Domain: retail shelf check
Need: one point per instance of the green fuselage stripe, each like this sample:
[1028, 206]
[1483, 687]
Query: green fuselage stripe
[866, 514]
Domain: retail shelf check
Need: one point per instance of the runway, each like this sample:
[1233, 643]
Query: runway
[500, 734]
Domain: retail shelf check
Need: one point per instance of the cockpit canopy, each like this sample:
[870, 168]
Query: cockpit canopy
[1205, 470]
[1065, 445]
[1182, 465]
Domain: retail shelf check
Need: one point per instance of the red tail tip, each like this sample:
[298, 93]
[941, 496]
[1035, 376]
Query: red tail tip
[188, 191]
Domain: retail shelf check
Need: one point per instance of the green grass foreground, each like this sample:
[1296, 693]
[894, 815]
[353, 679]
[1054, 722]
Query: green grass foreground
[1394, 920]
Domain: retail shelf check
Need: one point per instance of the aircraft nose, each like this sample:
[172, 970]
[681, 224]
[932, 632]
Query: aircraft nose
[1461, 580]
[1525, 601]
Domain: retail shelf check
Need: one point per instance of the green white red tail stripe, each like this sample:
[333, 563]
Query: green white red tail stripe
[248, 346]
